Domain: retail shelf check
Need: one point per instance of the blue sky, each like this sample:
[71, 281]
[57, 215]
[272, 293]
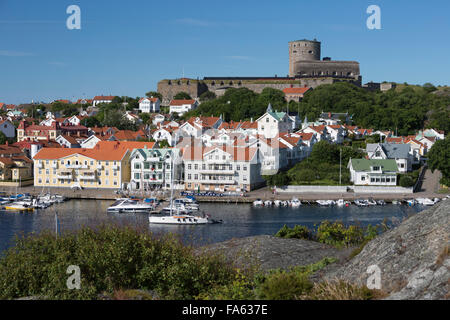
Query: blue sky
[126, 47]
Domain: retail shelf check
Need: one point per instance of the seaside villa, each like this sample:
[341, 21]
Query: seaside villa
[373, 172]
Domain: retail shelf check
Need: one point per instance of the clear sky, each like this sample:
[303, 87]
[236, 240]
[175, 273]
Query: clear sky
[126, 47]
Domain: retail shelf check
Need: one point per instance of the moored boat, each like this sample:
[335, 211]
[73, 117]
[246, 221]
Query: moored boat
[295, 203]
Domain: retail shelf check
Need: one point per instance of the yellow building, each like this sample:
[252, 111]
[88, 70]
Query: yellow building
[17, 168]
[106, 166]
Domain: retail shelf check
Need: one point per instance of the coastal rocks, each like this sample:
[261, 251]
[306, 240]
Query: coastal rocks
[269, 252]
[412, 258]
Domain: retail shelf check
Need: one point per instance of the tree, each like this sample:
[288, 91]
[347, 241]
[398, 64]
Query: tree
[208, 95]
[154, 94]
[406, 181]
[438, 159]
[145, 117]
[182, 96]
[3, 138]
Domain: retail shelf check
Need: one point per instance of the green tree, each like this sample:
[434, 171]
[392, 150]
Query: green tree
[207, 96]
[3, 138]
[154, 94]
[438, 159]
[182, 96]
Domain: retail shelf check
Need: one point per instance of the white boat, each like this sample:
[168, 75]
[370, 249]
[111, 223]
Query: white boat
[180, 208]
[381, 202]
[295, 203]
[267, 203]
[182, 219]
[371, 202]
[277, 203]
[342, 203]
[425, 201]
[186, 204]
[325, 202]
[411, 202]
[284, 203]
[258, 203]
[129, 205]
[436, 200]
[361, 203]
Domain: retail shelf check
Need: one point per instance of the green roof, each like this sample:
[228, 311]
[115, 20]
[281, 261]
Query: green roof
[387, 165]
[277, 115]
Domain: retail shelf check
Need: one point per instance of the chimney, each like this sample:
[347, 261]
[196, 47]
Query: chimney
[247, 154]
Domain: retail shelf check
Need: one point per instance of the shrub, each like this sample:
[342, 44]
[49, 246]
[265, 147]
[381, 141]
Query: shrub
[110, 259]
[284, 286]
[340, 290]
[406, 181]
[297, 232]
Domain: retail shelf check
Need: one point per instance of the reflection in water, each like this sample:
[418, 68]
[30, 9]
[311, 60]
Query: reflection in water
[240, 220]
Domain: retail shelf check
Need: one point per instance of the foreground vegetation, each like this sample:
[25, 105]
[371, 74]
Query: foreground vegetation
[123, 263]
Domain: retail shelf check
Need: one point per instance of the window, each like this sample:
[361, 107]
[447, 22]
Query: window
[245, 168]
[189, 166]
[238, 167]
[189, 176]
[196, 166]
[196, 176]
[137, 175]
[137, 165]
[267, 120]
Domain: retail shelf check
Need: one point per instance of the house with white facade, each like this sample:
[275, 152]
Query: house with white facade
[167, 134]
[224, 168]
[401, 153]
[152, 168]
[196, 126]
[373, 172]
[158, 118]
[149, 105]
[272, 123]
[67, 141]
[182, 106]
[335, 133]
[102, 99]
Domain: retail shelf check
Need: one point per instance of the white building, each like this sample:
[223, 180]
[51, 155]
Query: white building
[225, 168]
[271, 124]
[149, 105]
[401, 153]
[373, 172]
[152, 168]
[182, 106]
[102, 99]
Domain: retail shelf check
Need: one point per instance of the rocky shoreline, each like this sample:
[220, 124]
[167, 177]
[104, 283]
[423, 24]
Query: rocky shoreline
[412, 258]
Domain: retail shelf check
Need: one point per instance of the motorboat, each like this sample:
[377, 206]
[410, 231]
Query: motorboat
[182, 219]
[396, 202]
[381, 202]
[425, 201]
[371, 202]
[267, 203]
[342, 203]
[295, 203]
[411, 202]
[258, 203]
[16, 206]
[325, 202]
[188, 205]
[361, 203]
[277, 203]
[284, 203]
[130, 205]
[436, 200]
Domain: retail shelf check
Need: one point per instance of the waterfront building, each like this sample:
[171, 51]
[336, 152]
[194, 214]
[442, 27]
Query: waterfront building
[401, 153]
[373, 172]
[16, 168]
[107, 165]
[224, 168]
[102, 99]
[152, 168]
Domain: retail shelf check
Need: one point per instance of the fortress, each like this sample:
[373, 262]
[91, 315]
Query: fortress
[306, 69]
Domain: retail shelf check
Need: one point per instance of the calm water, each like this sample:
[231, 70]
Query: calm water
[240, 220]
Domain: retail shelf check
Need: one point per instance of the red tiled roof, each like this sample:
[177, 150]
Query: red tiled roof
[181, 102]
[104, 97]
[295, 90]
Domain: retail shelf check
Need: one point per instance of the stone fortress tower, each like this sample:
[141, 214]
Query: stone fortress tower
[304, 61]
[303, 50]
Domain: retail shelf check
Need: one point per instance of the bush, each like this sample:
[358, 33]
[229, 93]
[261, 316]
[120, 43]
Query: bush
[110, 258]
[284, 286]
[406, 181]
[298, 232]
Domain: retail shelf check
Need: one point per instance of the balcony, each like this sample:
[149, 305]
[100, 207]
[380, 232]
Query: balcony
[99, 167]
[217, 171]
[65, 177]
[229, 182]
[76, 166]
[87, 177]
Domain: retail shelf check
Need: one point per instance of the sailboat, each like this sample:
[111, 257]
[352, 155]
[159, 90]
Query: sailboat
[179, 218]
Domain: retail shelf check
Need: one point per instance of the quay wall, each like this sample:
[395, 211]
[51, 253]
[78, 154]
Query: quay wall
[319, 189]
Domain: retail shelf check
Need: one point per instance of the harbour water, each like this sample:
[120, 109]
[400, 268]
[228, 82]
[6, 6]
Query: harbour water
[239, 220]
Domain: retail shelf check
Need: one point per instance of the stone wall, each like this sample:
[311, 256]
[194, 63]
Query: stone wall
[332, 68]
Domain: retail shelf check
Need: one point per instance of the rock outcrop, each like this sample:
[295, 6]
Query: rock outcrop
[412, 258]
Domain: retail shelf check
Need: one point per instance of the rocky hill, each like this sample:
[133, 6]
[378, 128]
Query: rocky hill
[413, 258]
